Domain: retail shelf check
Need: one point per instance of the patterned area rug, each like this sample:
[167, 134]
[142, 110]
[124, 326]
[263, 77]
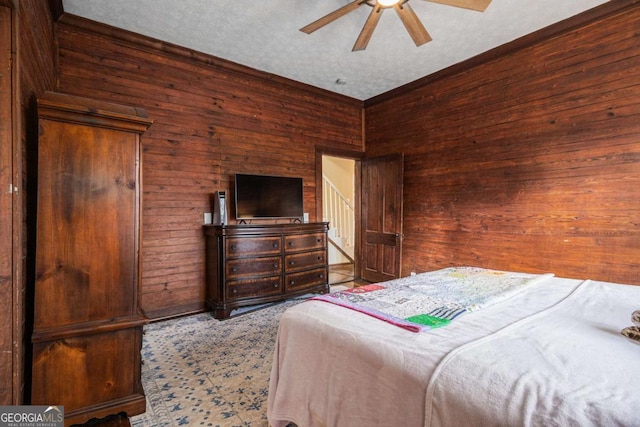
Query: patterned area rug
[201, 371]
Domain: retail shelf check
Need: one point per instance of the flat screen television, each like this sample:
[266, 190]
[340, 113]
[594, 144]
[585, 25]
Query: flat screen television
[268, 197]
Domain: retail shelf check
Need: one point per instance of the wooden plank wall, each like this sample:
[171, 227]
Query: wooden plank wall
[528, 162]
[7, 308]
[32, 42]
[212, 119]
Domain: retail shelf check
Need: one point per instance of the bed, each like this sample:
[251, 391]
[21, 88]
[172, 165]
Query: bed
[550, 352]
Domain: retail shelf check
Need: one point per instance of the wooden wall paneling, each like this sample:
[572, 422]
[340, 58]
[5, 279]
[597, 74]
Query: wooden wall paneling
[211, 120]
[529, 161]
[571, 24]
[7, 307]
[226, 94]
[31, 50]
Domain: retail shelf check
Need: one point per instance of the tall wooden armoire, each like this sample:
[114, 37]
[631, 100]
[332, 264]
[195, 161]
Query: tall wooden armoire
[87, 332]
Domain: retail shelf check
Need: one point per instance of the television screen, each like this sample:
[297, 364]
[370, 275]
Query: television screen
[261, 196]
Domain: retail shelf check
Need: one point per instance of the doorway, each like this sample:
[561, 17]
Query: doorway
[339, 210]
[377, 211]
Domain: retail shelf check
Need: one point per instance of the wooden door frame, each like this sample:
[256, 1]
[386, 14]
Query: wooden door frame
[357, 156]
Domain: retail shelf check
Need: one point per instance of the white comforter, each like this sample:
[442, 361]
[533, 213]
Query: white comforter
[568, 365]
[337, 367]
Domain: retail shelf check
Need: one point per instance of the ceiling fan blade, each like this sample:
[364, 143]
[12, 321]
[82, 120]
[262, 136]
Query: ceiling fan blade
[332, 16]
[412, 23]
[479, 5]
[367, 30]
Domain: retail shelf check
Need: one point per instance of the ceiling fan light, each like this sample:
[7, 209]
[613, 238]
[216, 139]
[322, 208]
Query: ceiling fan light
[387, 3]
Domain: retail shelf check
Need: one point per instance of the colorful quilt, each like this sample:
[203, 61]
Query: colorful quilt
[430, 300]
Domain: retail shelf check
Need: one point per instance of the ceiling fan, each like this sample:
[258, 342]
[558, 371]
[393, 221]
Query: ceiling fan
[408, 17]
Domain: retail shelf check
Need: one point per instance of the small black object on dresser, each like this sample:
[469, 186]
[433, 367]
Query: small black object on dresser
[255, 264]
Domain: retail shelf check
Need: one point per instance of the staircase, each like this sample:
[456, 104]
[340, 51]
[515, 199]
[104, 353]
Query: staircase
[339, 212]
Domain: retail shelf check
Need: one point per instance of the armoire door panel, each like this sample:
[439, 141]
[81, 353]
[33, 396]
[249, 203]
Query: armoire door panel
[91, 171]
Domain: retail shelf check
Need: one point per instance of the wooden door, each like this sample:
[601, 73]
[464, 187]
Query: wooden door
[381, 245]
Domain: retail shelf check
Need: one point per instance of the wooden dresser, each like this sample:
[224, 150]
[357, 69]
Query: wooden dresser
[253, 264]
[87, 327]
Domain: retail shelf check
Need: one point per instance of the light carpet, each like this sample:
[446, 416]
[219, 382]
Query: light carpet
[201, 371]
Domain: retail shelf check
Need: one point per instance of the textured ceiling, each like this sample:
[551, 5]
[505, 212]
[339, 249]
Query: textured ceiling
[265, 35]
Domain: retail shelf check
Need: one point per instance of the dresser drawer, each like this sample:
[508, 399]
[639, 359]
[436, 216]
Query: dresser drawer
[304, 279]
[303, 242]
[246, 267]
[304, 260]
[253, 246]
[250, 288]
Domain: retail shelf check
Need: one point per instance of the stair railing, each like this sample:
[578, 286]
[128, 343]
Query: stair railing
[339, 211]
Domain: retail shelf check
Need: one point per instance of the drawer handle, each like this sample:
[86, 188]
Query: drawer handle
[321, 276]
[234, 291]
[275, 285]
[234, 269]
[292, 263]
[290, 243]
[319, 240]
[319, 257]
[275, 245]
[292, 282]
[232, 247]
[275, 265]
